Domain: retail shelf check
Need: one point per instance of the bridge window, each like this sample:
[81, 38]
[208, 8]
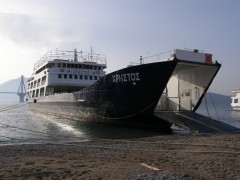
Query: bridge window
[99, 67]
[86, 77]
[90, 77]
[65, 76]
[70, 76]
[60, 76]
[75, 76]
[68, 65]
[80, 77]
[64, 65]
[59, 65]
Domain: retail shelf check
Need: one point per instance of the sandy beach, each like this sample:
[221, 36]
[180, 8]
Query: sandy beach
[160, 157]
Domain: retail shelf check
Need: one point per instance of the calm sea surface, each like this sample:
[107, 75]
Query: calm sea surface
[19, 125]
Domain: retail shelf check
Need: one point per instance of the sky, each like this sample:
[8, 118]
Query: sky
[122, 30]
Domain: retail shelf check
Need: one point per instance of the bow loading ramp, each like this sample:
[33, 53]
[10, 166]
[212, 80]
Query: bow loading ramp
[195, 122]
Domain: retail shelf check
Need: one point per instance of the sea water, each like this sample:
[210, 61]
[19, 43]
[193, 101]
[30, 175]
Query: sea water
[20, 125]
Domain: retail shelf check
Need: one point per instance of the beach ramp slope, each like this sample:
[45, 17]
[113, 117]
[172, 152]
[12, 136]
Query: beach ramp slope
[195, 123]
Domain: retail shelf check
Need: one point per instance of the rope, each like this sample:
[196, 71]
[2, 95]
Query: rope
[205, 97]
[12, 107]
[24, 129]
[214, 105]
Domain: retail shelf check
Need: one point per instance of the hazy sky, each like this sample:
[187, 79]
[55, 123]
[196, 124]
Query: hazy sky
[122, 30]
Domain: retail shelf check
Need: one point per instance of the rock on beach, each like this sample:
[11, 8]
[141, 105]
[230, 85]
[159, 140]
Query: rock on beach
[159, 157]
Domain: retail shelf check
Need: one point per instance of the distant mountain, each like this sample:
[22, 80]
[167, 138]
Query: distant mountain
[218, 98]
[10, 86]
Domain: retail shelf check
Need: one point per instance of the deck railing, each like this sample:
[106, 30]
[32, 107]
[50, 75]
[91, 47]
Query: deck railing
[71, 56]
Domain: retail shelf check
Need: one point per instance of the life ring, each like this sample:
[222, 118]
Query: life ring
[62, 70]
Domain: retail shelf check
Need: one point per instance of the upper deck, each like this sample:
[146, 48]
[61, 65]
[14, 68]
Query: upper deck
[194, 56]
[71, 56]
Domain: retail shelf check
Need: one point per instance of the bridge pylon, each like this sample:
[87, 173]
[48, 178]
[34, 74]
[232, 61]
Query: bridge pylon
[21, 90]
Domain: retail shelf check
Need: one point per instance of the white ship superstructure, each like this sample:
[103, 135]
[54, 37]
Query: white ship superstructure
[236, 100]
[65, 71]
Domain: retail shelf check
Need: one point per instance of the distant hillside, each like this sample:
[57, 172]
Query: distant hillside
[218, 98]
[10, 86]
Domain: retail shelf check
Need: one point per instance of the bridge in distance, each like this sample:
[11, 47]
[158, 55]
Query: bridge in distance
[21, 91]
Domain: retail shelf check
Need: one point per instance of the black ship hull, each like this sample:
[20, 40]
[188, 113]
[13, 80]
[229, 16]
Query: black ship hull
[126, 96]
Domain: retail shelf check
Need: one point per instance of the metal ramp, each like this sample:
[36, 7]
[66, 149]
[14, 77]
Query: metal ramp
[195, 122]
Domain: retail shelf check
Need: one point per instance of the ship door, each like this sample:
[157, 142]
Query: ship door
[186, 99]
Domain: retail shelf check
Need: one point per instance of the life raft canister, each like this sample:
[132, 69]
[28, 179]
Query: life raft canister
[62, 70]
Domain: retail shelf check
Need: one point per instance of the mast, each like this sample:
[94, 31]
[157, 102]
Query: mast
[75, 55]
[91, 55]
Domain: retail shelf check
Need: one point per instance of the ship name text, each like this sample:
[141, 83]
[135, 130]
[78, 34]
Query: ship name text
[128, 77]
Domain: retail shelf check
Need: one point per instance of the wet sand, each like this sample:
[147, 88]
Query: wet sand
[161, 157]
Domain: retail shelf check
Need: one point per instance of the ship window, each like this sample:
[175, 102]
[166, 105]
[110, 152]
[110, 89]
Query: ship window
[59, 65]
[95, 77]
[85, 77]
[90, 67]
[76, 66]
[68, 65]
[65, 76]
[87, 66]
[63, 65]
[60, 76]
[70, 76]
[95, 67]
[99, 67]
[91, 78]
[75, 76]
[72, 65]
[80, 66]
[80, 77]
[235, 100]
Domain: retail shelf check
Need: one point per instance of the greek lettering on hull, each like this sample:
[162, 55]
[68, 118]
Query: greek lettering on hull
[129, 77]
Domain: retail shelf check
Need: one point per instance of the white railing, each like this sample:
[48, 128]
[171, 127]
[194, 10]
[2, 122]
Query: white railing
[71, 56]
[153, 58]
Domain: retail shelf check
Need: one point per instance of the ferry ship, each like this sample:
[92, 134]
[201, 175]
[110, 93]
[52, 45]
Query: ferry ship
[236, 100]
[74, 84]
